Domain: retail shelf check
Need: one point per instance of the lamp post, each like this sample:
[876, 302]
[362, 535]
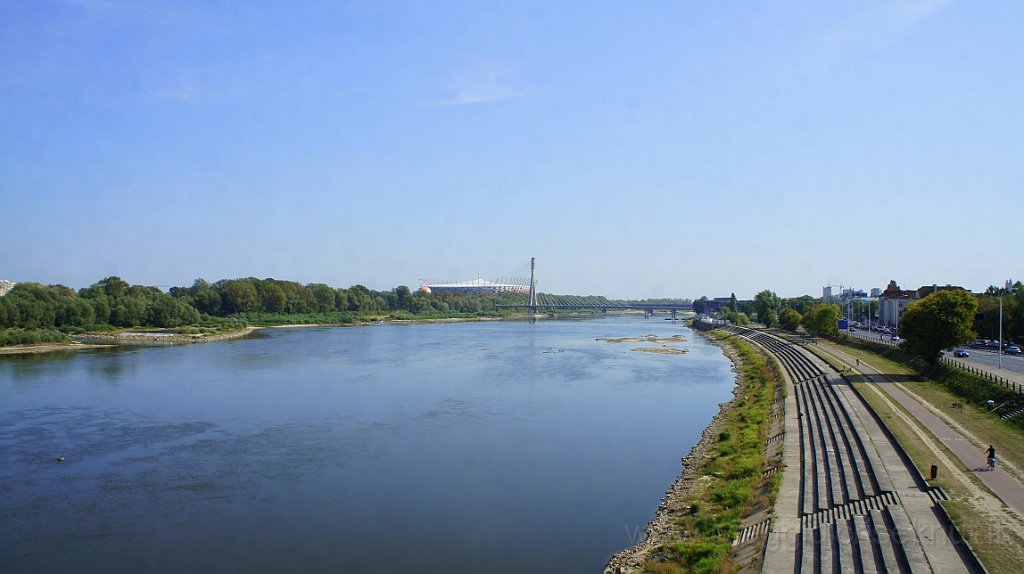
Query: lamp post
[1000, 329]
[1006, 289]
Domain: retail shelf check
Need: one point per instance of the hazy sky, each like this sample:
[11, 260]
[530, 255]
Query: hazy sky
[636, 149]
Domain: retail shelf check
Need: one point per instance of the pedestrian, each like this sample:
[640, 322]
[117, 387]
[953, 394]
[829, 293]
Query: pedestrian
[858, 362]
[991, 454]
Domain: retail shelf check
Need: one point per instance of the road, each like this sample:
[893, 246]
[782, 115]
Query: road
[987, 360]
[990, 361]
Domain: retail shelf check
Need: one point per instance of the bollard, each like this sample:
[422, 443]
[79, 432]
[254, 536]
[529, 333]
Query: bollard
[935, 472]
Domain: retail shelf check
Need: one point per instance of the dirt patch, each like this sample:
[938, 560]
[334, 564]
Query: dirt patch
[661, 350]
[47, 348]
[645, 339]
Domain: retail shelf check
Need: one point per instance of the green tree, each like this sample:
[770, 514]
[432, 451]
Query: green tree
[239, 296]
[272, 297]
[323, 297]
[113, 287]
[359, 299]
[790, 319]
[403, 297]
[825, 319]
[700, 306]
[940, 320]
[767, 304]
[800, 304]
[341, 300]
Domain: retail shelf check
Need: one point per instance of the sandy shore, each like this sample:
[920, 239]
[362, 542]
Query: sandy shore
[660, 530]
[109, 339]
[88, 341]
[48, 348]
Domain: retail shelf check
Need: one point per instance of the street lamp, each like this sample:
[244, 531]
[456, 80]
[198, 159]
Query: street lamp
[1006, 289]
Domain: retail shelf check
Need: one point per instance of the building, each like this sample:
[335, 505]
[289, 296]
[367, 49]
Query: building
[893, 301]
[929, 289]
[475, 286]
[826, 294]
[891, 304]
[6, 286]
[718, 303]
[852, 293]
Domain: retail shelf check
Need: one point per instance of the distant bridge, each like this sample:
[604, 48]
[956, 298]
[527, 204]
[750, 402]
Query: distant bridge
[538, 301]
[610, 305]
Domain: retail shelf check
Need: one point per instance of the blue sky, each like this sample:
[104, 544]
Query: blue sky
[636, 149]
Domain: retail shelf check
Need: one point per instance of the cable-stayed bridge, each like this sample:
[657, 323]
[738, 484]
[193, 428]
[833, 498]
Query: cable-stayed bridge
[536, 301]
[546, 301]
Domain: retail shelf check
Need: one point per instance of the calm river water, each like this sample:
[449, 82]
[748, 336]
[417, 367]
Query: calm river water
[467, 447]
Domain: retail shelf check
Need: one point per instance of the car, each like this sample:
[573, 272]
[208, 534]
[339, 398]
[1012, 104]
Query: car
[961, 353]
[896, 339]
[1012, 350]
[853, 329]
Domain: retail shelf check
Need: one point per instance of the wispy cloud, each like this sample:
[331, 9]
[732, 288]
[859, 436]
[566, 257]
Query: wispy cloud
[869, 26]
[916, 10]
[107, 4]
[483, 81]
[184, 93]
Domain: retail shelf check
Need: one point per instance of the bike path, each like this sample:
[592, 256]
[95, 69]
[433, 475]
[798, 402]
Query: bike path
[972, 456]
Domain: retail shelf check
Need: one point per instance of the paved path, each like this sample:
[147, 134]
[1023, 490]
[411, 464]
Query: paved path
[972, 456]
[848, 502]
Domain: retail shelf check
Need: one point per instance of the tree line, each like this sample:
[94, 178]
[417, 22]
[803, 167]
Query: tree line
[937, 321]
[32, 312]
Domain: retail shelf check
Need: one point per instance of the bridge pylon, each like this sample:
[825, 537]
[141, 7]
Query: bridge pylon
[533, 285]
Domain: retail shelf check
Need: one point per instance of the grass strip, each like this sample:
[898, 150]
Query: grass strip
[731, 486]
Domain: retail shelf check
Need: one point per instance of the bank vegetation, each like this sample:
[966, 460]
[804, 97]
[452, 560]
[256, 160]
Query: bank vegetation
[723, 482]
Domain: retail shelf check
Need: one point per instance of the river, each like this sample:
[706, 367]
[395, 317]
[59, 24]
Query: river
[466, 447]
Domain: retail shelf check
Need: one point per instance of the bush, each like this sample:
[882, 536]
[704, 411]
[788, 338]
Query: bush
[733, 494]
[24, 337]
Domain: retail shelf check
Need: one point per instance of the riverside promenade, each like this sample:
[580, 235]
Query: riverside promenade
[850, 500]
[968, 449]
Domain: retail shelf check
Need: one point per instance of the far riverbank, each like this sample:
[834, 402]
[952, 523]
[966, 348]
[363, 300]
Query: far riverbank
[114, 338]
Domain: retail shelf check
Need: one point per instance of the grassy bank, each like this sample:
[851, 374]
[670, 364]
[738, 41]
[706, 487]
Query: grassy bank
[729, 484]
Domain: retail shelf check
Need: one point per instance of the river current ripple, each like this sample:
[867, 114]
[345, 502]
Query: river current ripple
[467, 447]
